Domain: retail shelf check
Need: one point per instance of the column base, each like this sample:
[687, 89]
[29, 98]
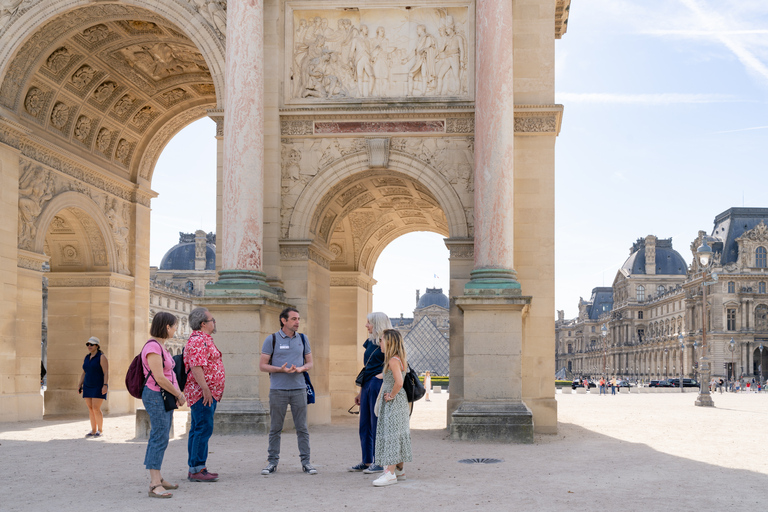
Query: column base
[506, 421]
[251, 283]
[493, 281]
[241, 417]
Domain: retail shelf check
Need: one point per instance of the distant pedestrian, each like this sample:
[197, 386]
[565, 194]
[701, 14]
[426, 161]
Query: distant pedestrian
[428, 385]
[93, 384]
[602, 386]
[613, 386]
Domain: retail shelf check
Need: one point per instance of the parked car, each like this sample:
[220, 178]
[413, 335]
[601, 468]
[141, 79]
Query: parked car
[580, 384]
[687, 383]
[625, 384]
[658, 384]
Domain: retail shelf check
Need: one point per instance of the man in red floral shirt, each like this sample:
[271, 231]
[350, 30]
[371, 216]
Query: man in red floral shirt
[205, 386]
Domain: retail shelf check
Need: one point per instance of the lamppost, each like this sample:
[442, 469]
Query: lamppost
[732, 376]
[666, 361]
[704, 254]
[604, 333]
[681, 339]
[760, 366]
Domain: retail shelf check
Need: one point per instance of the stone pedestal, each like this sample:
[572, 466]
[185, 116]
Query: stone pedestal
[492, 409]
[242, 324]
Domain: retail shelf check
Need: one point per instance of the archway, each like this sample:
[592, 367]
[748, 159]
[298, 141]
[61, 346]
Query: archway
[91, 94]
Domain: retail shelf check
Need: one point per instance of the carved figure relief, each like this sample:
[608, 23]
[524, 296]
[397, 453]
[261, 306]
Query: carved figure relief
[35, 190]
[7, 9]
[215, 13]
[417, 52]
[142, 116]
[59, 115]
[34, 101]
[82, 76]
[123, 105]
[96, 33]
[161, 60]
[174, 96]
[123, 148]
[104, 91]
[103, 140]
[118, 221]
[58, 59]
[82, 128]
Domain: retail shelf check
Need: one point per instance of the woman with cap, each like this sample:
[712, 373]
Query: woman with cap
[93, 384]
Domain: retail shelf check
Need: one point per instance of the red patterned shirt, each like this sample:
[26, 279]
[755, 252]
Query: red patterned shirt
[202, 351]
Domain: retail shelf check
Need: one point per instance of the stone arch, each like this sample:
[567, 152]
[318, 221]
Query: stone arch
[313, 201]
[79, 201]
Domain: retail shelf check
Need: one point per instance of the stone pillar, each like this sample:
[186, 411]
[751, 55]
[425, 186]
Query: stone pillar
[351, 301]
[492, 406]
[218, 117]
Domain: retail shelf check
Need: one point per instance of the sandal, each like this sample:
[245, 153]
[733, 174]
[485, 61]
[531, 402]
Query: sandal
[169, 486]
[153, 494]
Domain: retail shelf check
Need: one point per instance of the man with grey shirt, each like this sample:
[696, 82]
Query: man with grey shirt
[286, 355]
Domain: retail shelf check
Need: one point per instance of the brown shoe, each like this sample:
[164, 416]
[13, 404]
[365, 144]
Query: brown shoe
[202, 476]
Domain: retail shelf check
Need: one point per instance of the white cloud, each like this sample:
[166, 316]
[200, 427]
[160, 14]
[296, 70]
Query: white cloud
[644, 99]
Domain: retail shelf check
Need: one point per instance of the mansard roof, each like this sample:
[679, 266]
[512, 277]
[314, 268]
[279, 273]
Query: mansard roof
[601, 302]
[730, 225]
[668, 260]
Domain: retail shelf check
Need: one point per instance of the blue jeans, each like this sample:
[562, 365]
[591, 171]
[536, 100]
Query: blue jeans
[368, 420]
[279, 399]
[200, 432]
[160, 420]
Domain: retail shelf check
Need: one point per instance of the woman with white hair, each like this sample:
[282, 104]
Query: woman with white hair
[370, 384]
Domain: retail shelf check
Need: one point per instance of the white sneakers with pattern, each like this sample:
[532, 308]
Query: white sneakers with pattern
[386, 479]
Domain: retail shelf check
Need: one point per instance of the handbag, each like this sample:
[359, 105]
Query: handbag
[359, 378]
[168, 400]
[414, 389]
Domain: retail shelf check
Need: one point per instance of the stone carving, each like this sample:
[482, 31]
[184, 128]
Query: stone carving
[296, 127]
[104, 91]
[123, 149]
[82, 128]
[536, 124]
[59, 115]
[757, 234]
[205, 89]
[161, 60]
[103, 140]
[7, 9]
[215, 13]
[118, 221]
[460, 125]
[337, 252]
[417, 52]
[143, 115]
[58, 59]
[35, 190]
[69, 255]
[123, 105]
[82, 76]
[34, 101]
[174, 96]
[96, 33]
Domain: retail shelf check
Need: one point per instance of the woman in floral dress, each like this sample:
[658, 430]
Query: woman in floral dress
[393, 433]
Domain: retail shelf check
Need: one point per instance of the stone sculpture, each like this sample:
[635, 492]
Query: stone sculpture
[35, 190]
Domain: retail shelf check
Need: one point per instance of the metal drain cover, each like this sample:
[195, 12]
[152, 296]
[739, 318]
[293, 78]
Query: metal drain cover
[480, 461]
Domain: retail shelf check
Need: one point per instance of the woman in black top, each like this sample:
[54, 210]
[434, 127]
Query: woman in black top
[372, 378]
[93, 384]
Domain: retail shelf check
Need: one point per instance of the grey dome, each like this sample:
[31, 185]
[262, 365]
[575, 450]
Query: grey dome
[433, 297]
[668, 260]
[182, 257]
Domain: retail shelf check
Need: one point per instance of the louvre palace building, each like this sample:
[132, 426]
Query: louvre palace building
[648, 325]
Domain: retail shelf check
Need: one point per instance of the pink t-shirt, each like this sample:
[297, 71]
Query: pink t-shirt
[154, 347]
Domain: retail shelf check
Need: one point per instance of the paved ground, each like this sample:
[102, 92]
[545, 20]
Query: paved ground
[612, 453]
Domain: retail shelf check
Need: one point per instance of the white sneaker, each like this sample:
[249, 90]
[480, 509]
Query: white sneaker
[386, 479]
[400, 474]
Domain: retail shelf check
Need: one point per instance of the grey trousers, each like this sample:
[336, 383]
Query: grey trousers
[279, 399]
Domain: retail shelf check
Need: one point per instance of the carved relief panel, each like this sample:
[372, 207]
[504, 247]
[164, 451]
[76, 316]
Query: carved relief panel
[402, 52]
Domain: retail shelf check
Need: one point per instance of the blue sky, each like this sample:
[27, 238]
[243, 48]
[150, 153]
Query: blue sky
[665, 126]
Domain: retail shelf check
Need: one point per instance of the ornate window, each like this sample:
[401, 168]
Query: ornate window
[570, 348]
[760, 257]
[761, 318]
[639, 315]
[731, 287]
[730, 314]
[640, 293]
[660, 289]
[761, 287]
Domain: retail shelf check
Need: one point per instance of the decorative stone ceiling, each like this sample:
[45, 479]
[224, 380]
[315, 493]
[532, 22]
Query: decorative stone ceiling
[364, 214]
[74, 243]
[104, 79]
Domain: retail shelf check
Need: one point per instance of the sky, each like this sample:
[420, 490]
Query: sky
[665, 127]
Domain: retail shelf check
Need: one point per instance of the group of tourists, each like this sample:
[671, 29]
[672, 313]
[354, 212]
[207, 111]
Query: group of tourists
[286, 355]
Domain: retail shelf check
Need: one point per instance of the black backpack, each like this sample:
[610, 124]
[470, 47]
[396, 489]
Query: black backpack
[180, 370]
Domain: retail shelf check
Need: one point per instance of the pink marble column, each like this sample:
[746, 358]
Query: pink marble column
[494, 144]
[243, 216]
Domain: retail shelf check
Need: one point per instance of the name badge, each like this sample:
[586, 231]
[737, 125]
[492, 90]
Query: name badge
[284, 347]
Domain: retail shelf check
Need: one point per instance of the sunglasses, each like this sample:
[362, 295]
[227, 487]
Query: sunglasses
[90, 344]
[209, 321]
[350, 411]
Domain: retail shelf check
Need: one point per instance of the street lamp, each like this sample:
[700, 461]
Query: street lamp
[732, 348]
[604, 333]
[704, 255]
[681, 339]
[760, 366]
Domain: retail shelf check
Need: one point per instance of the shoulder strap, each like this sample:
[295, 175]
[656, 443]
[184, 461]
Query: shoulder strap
[162, 358]
[303, 342]
[273, 350]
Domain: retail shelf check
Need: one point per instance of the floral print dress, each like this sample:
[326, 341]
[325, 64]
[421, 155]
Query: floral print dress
[393, 431]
